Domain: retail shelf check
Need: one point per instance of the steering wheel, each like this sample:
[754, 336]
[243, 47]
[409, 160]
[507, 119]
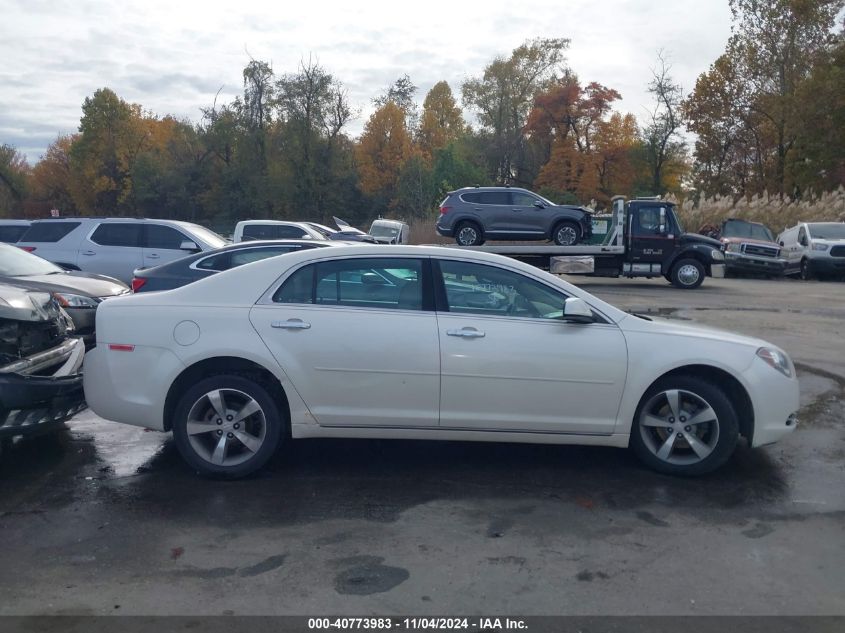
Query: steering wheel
[521, 303]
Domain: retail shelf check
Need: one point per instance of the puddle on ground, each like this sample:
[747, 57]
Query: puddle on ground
[123, 449]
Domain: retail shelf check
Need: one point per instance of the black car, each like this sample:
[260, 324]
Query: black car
[200, 265]
[474, 215]
[40, 359]
[79, 293]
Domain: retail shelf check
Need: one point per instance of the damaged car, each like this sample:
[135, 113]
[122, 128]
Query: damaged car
[40, 360]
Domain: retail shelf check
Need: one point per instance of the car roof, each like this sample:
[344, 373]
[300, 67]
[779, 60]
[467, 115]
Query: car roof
[275, 222]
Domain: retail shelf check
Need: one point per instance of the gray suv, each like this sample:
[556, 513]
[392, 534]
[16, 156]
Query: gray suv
[474, 214]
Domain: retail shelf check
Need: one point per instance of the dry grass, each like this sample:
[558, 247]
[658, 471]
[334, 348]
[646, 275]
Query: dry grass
[775, 213]
[422, 232]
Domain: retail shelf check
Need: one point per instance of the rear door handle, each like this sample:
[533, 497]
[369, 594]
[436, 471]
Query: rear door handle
[291, 324]
[518, 210]
[88, 253]
[467, 332]
[153, 255]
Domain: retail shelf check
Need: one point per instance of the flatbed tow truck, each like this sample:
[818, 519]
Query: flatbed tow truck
[644, 239]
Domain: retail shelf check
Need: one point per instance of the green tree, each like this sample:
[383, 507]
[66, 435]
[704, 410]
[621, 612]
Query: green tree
[442, 121]
[14, 172]
[502, 99]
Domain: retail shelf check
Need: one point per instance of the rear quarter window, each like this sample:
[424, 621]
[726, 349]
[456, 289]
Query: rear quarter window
[11, 234]
[472, 198]
[48, 231]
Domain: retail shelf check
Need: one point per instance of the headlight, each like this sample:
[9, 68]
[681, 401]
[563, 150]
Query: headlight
[74, 301]
[820, 247]
[717, 256]
[776, 359]
[734, 247]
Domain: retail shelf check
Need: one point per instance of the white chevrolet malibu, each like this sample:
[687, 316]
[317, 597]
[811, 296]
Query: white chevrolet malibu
[425, 343]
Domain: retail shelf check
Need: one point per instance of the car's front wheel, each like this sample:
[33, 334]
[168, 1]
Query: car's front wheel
[688, 274]
[227, 426]
[684, 426]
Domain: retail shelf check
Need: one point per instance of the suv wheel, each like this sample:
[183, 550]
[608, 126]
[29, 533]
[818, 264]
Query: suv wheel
[468, 234]
[684, 426]
[227, 426]
[687, 274]
[566, 234]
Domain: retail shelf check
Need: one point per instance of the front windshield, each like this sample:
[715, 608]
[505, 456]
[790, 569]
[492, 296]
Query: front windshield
[827, 231]
[208, 236]
[380, 230]
[748, 230]
[15, 262]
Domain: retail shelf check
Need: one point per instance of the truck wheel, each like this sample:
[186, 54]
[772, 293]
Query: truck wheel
[468, 234]
[687, 274]
[566, 234]
[806, 271]
[684, 426]
[227, 426]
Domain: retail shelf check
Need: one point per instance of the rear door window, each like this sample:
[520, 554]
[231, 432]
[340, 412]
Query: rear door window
[494, 197]
[48, 231]
[125, 234]
[273, 232]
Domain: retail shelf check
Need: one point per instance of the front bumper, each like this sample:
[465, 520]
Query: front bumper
[83, 323]
[775, 399]
[827, 265]
[741, 262]
[33, 403]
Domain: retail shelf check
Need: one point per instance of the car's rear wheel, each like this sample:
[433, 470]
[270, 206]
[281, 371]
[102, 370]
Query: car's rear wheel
[468, 234]
[566, 234]
[684, 426]
[688, 274]
[227, 426]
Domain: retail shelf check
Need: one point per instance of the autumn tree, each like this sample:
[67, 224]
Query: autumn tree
[502, 99]
[442, 121]
[51, 176]
[382, 150]
[401, 92]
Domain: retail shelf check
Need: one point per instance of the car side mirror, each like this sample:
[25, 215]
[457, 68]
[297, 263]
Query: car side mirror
[189, 246]
[781, 243]
[576, 310]
[539, 205]
[371, 279]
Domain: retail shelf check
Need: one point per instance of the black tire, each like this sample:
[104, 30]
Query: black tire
[726, 436]
[273, 421]
[806, 272]
[566, 233]
[684, 278]
[469, 234]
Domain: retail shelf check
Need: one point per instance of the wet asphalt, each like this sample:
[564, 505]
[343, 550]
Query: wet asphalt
[102, 518]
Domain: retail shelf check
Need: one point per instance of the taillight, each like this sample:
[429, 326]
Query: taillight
[444, 210]
[28, 249]
[137, 283]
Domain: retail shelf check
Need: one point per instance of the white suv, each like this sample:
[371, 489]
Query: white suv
[115, 246]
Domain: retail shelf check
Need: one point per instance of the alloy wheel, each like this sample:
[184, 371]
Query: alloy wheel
[226, 427]
[679, 427]
[467, 236]
[566, 236]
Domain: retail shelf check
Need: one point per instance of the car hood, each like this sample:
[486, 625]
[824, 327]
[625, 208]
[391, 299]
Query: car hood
[23, 304]
[76, 282]
[829, 242]
[696, 238]
[668, 327]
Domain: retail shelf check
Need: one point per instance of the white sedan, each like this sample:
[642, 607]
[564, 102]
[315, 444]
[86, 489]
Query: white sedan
[425, 343]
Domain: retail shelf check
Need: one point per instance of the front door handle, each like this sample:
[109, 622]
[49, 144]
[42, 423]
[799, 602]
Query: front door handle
[518, 210]
[291, 324]
[88, 253]
[467, 332]
[153, 255]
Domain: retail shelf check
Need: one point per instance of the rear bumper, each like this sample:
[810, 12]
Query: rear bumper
[444, 231]
[32, 404]
[740, 262]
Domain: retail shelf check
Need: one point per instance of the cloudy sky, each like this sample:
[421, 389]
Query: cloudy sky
[173, 56]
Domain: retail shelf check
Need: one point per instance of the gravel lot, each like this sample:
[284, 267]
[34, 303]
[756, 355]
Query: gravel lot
[104, 518]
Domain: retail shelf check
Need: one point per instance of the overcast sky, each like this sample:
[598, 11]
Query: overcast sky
[172, 57]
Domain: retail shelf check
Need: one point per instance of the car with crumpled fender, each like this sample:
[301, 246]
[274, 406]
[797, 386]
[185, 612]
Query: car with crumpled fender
[40, 361]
